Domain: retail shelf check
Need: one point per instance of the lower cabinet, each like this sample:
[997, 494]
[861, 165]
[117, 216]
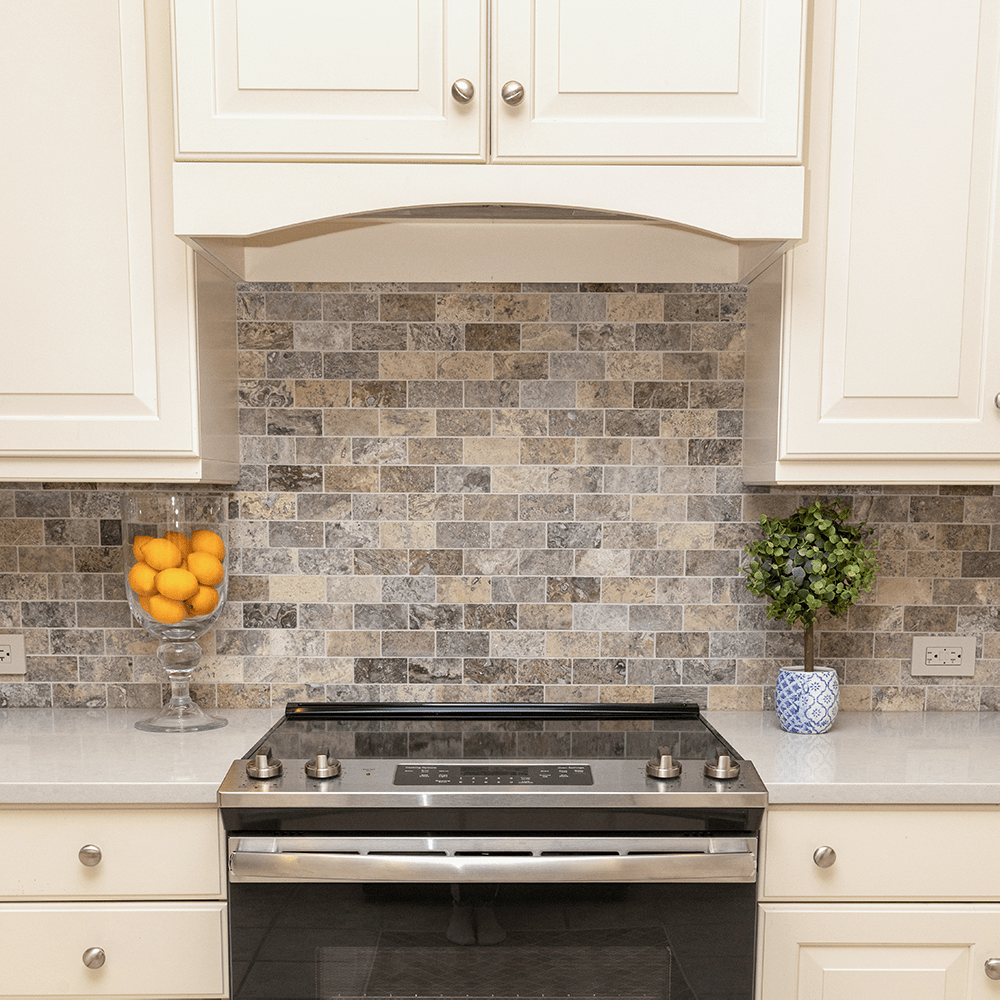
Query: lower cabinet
[113, 902]
[873, 903]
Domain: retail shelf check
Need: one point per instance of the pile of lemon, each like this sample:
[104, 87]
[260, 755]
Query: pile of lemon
[175, 576]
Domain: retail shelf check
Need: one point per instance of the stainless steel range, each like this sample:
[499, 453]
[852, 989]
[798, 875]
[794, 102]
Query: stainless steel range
[445, 850]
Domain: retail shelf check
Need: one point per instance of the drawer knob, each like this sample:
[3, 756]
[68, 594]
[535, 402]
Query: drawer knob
[993, 968]
[463, 91]
[512, 93]
[90, 855]
[824, 857]
[93, 958]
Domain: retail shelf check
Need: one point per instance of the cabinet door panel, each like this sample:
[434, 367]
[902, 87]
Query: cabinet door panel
[871, 952]
[329, 79]
[650, 80]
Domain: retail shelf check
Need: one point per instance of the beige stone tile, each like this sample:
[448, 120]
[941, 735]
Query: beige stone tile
[323, 393]
[656, 507]
[628, 644]
[268, 506]
[492, 451]
[629, 590]
[908, 590]
[683, 590]
[855, 698]
[601, 562]
[532, 307]
[347, 423]
[395, 422]
[465, 365]
[682, 536]
[407, 365]
[687, 423]
[604, 395]
[735, 698]
[711, 618]
[464, 307]
[635, 307]
[635, 366]
[407, 534]
[626, 694]
[353, 589]
[898, 699]
[548, 451]
[311, 589]
[576, 694]
[464, 589]
[517, 644]
[520, 423]
[548, 336]
[573, 644]
[357, 642]
[520, 478]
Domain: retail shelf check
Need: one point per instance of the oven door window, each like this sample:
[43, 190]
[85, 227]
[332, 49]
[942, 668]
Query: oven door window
[676, 941]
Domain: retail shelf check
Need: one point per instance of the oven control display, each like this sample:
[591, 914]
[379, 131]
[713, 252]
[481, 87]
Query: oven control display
[493, 774]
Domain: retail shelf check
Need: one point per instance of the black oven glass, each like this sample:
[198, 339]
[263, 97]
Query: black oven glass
[671, 941]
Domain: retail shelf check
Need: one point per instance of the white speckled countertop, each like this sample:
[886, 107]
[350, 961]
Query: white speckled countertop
[89, 756]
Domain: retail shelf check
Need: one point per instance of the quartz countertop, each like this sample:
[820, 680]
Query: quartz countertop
[96, 756]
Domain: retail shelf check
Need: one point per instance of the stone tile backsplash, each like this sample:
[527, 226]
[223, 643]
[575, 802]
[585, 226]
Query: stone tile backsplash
[495, 492]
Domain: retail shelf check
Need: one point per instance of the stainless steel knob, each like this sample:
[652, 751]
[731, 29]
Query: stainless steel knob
[824, 857]
[463, 91]
[663, 766]
[996, 399]
[264, 766]
[323, 766]
[512, 93]
[723, 767]
[94, 958]
[90, 855]
[993, 968]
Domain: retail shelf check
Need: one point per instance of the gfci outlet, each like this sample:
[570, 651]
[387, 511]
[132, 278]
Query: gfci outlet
[940, 656]
[11, 654]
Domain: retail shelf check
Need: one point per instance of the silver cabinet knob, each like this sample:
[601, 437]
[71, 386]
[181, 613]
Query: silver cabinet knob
[93, 958]
[824, 857]
[512, 93]
[463, 91]
[663, 766]
[993, 968]
[996, 399]
[90, 855]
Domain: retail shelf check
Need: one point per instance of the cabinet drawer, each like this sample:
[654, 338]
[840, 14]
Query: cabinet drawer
[150, 949]
[891, 853]
[143, 852]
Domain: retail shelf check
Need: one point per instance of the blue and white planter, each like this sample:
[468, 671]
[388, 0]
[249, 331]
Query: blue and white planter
[807, 701]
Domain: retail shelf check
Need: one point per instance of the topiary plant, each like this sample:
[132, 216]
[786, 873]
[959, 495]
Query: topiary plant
[809, 561]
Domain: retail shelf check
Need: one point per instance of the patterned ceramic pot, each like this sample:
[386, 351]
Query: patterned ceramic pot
[807, 701]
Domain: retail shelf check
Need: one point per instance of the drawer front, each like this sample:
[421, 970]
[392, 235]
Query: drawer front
[172, 853]
[883, 854]
[149, 949]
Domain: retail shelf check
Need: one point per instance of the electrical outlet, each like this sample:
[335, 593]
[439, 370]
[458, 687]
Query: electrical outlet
[11, 654]
[943, 656]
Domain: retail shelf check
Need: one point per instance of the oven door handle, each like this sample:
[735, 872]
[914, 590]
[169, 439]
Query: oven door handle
[291, 866]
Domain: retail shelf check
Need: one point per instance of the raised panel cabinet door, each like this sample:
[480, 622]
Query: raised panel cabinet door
[99, 332]
[655, 81]
[330, 79]
[893, 317]
[874, 952]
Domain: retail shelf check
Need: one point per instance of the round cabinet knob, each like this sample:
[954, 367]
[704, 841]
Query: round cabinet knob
[993, 968]
[323, 766]
[663, 766]
[512, 93]
[463, 91]
[824, 857]
[996, 399]
[264, 766]
[90, 855]
[94, 958]
[723, 767]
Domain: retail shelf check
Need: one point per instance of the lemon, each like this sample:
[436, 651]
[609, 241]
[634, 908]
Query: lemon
[142, 579]
[180, 540]
[161, 553]
[164, 610]
[137, 545]
[204, 540]
[204, 601]
[177, 584]
[206, 568]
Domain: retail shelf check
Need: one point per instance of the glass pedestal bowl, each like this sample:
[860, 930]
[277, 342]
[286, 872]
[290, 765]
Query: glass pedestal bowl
[176, 558]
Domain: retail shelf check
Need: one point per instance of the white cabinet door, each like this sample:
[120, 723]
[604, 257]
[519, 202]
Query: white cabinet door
[104, 377]
[653, 80]
[879, 360]
[877, 951]
[330, 79]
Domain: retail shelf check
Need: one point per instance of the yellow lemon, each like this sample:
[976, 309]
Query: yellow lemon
[142, 579]
[180, 540]
[177, 584]
[204, 540]
[163, 609]
[206, 568]
[137, 545]
[204, 602]
[161, 553]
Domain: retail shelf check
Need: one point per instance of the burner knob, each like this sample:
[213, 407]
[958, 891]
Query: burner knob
[722, 767]
[663, 766]
[321, 766]
[263, 765]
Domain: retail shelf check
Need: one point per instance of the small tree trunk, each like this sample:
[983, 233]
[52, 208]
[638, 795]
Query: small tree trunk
[807, 641]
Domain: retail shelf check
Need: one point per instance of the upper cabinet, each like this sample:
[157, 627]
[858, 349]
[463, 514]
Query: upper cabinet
[873, 351]
[119, 354]
[519, 81]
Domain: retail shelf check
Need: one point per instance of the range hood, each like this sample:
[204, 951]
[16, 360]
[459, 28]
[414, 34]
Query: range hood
[432, 222]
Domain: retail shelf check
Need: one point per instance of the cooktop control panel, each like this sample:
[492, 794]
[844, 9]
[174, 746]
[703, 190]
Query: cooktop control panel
[493, 774]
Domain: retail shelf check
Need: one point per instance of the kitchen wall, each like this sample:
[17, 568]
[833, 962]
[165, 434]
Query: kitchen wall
[506, 492]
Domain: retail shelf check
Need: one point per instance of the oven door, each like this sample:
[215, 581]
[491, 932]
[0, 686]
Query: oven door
[663, 918]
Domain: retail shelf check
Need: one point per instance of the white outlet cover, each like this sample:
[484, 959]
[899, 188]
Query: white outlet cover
[918, 663]
[16, 643]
